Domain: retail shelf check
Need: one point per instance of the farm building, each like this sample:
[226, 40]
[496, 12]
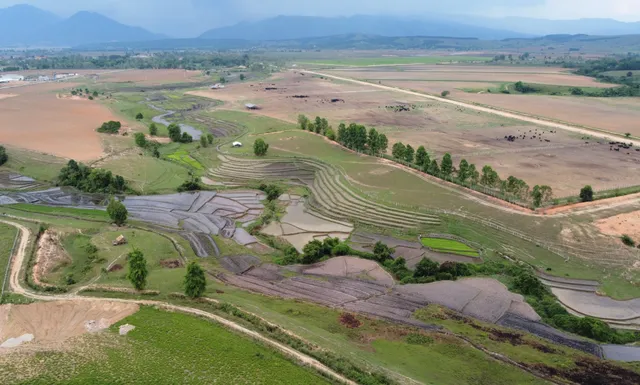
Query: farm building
[252, 106]
[11, 78]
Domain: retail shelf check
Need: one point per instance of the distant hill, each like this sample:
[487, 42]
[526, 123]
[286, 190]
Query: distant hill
[19, 22]
[531, 26]
[297, 27]
[89, 27]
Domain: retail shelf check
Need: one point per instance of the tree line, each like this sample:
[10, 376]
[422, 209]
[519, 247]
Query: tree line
[354, 136]
[91, 180]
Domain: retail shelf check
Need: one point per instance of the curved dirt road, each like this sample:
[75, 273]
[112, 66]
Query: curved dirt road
[14, 282]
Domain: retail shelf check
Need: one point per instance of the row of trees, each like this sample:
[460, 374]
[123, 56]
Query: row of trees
[195, 282]
[354, 136]
[92, 180]
[468, 175]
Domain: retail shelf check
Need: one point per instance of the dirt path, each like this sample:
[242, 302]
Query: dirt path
[16, 287]
[505, 114]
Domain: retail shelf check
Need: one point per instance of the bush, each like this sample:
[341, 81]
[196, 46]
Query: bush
[153, 129]
[3, 155]
[444, 94]
[110, 127]
[139, 116]
[627, 240]
[425, 268]
[117, 212]
[444, 277]
[586, 194]
[273, 191]
[190, 185]
[528, 284]
[341, 249]
[140, 139]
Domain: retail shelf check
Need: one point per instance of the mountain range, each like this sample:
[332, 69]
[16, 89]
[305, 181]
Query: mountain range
[25, 25]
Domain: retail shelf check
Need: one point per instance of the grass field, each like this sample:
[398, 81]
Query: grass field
[147, 174]
[39, 166]
[254, 124]
[165, 347]
[398, 60]
[7, 236]
[95, 215]
[449, 246]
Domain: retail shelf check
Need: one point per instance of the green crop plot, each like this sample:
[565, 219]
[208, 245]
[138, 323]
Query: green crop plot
[449, 246]
[182, 156]
[167, 348]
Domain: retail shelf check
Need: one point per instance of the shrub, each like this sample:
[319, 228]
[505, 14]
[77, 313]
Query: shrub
[444, 94]
[139, 116]
[192, 184]
[195, 282]
[586, 194]
[312, 252]
[110, 127]
[140, 139]
[528, 284]
[210, 138]
[425, 268]
[153, 129]
[627, 240]
[341, 249]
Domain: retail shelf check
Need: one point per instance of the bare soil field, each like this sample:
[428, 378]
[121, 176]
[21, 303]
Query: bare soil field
[36, 119]
[540, 75]
[151, 77]
[628, 223]
[53, 322]
[557, 158]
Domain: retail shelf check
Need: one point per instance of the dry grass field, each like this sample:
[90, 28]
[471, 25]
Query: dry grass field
[151, 77]
[563, 160]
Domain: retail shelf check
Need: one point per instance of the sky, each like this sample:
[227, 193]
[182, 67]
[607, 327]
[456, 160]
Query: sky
[188, 18]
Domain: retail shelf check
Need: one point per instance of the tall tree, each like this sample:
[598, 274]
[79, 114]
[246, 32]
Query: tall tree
[303, 121]
[117, 211]
[474, 175]
[140, 139]
[434, 169]
[421, 156]
[203, 141]
[446, 166]
[195, 282]
[260, 147]
[383, 143]
[153, 129]
[138, 272]
[3, 155]
[463, 171]
[398, 150]
[408, 154]
[489, 177]
[174, 132]
[373, 141]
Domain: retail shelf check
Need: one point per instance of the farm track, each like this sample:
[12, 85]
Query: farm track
[14, 282]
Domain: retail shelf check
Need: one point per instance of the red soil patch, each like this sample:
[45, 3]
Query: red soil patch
[349, 320]
[171, 263]
[36, 119]
[628, 223]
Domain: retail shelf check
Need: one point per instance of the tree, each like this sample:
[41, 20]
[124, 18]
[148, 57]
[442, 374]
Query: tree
[474, 175]
[489, 177]
[153, 129]
[398, 150]
[210, 138]
[444, 94]
[242, 77]
[3, 155]
[117, 212]
[408, 154]
[203, 141]
[382, 252]
[74, 92]
[303, 121]
[528, 284]
[110, 127]
[627, 134]
[446, 166]
[223, 80]
[139, 116]
[195, 282]
[629, 74]
[421, 156]
[138, 272]
[541, 194]
[260, 147]
[426, 268]
[318, 124]
[186, 138]
[95, 94]
[433, 168]
[463, 171]
[372, 141]
[174, 132]
[90, 97]
[140, 139]
[330, 134]
[383, 143]
[586, 194]
[312, 252]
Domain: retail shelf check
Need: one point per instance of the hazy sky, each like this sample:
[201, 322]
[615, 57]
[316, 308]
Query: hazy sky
[186, 18]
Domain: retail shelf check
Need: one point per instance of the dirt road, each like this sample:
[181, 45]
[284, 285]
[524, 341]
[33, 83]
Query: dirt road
[16, 287]
[505, 114]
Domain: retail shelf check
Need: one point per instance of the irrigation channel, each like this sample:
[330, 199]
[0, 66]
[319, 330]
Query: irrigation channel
[160, 119]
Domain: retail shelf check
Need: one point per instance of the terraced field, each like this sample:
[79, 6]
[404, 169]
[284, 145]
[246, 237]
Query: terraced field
[444, 245]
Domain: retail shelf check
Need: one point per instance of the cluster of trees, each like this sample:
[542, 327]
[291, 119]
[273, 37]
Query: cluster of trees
[273, 191]
[80, 91]
[354, 136]
[164, 60]
[206, 140]
[92, 180]
[195, 282]
[427, 271]
[260, 147]
[524, 88]
[176, 134]
[110, 127]
[3, 155]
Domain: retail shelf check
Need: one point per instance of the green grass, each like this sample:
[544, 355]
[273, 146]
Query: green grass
[146, 174]
[42, 167]
[88, 214]
[449, 246]
[398, 60]
[169, 348]
[7, 237]
[255, 124]
[182, 156]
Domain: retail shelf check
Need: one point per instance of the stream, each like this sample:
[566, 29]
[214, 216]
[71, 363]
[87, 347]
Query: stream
[160, 119]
